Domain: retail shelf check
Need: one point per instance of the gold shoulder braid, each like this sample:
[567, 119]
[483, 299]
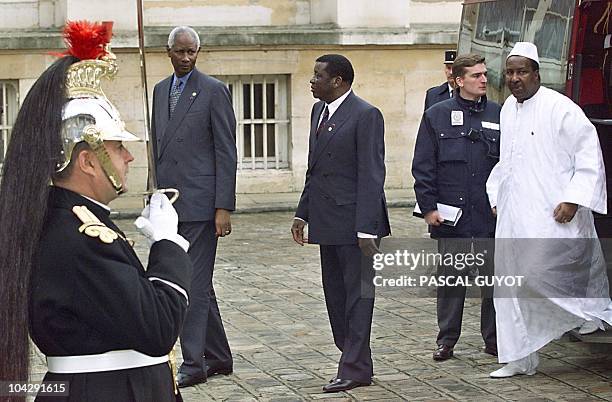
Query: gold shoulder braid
[92, 226]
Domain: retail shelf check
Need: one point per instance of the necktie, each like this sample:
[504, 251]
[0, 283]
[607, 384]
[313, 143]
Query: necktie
[323, 120]
[451, 93]
[175, 93]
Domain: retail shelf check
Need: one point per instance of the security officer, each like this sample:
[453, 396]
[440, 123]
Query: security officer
[457, 146]
[444, 91]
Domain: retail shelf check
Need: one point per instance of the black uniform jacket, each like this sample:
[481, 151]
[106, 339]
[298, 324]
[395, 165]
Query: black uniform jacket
[90, 297]
[436, 94]
[452, 162]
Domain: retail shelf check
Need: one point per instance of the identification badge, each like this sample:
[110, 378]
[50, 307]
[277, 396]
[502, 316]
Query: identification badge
[489, 125]
[457, 118]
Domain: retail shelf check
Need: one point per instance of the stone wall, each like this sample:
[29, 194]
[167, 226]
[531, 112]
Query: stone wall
[396, 49]
[392, 79]
[27, 14]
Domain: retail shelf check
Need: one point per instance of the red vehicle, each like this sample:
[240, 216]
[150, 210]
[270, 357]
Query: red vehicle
[574, 40]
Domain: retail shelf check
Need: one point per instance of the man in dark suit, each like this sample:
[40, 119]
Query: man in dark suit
[443, 91]
[344, 204]
[194, 132]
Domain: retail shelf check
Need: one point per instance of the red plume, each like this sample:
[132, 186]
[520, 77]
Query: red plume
[86, 39]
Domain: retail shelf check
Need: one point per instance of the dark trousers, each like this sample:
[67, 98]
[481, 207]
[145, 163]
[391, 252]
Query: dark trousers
[349, 296]
[451, 298]
[203, 339]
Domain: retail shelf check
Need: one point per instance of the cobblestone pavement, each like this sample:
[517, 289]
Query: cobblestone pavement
[271, 301]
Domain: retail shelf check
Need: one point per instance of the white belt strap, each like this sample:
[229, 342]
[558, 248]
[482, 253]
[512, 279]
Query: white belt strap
[109, 361]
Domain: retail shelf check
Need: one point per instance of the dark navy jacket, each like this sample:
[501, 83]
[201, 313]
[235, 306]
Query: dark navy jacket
[451, 166]
[436, 94]
[344, 190]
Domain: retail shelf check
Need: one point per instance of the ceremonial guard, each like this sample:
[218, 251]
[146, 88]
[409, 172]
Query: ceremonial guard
[105, 324]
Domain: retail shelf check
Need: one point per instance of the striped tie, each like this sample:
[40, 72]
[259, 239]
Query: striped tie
[175, 94]
[323, 120]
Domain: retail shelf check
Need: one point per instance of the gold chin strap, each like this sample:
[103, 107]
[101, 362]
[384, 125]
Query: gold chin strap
[93, 138]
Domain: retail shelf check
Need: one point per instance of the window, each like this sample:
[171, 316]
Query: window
[492, 28]
[261, 104]
[8, 113]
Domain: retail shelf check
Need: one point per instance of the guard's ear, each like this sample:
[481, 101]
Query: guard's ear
[86, 162]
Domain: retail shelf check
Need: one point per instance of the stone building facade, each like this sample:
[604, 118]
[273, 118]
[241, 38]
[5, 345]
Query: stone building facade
[265, 51]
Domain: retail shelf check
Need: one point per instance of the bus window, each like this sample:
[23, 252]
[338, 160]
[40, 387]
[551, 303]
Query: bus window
[492, 28]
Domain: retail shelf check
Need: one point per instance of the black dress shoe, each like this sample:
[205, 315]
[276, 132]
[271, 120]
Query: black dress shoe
[491, 349]
[444, 352]
[211, 371]
[340, 385]
[185, 380]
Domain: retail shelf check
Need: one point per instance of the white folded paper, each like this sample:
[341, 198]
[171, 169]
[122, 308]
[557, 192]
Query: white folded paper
[450, 214]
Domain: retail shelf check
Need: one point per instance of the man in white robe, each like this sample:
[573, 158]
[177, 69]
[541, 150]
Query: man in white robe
[549, 178]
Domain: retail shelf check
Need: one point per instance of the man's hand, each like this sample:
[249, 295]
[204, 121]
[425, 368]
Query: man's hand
[494, 211]
[223, 223]
[368, 247]
[433, 218]
[159, 219]
[565, 212]
[297, 231]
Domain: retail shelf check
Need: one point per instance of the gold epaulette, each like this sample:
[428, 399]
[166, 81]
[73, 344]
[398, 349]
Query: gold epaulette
[92, 226]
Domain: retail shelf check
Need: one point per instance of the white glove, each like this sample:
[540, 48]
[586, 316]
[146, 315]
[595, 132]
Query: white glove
[159, 221]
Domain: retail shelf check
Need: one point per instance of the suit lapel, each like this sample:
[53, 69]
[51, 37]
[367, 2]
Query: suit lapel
[318, 109]
[160, 106]
[189, 94]
[332, 126]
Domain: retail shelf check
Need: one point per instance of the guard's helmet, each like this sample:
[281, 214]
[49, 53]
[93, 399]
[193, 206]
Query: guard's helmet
[88, 115]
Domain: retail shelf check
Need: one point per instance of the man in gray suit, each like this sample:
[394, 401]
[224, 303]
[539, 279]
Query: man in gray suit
[344, 204]
[195, 147]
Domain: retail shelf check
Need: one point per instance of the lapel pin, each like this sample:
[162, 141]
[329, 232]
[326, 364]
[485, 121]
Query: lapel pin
[193, 95]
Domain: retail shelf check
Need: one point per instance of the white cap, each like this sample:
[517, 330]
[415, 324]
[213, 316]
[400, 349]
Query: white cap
[525, 49]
